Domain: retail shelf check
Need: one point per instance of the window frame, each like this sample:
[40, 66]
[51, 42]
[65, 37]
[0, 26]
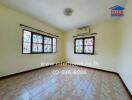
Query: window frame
[34, 33]
[93, 37]
[55, 45]
[75, 46]
[31, 46]
[51, 44]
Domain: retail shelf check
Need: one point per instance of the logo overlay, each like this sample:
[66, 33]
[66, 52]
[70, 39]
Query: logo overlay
[117, 11]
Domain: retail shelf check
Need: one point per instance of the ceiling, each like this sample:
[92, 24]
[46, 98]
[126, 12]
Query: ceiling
[85, 12]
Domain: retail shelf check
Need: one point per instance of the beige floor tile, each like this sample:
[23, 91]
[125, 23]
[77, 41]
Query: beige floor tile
[44, 84]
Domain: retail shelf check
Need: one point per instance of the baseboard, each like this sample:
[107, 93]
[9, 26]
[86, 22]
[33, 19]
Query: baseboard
[93, 68]
[11, 75]
[128, 91]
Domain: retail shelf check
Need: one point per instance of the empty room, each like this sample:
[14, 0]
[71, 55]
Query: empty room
[65, 49]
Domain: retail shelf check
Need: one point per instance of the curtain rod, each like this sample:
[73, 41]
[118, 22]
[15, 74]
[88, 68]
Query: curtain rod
[84, 34]
[38, 30]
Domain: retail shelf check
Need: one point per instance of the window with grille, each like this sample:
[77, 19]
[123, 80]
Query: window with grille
[33, 43]
[84, 45]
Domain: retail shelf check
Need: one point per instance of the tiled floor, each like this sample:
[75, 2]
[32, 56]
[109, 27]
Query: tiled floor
[63, 83]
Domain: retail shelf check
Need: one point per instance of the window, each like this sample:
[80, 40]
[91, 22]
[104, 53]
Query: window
[34, 43]
[79, 45]
[37, 45]
[54, 45]
[84, 45]
[89, 45]
[47, 44]
[26, 42]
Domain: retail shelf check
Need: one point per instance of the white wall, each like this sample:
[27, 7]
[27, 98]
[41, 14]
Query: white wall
[11, 58]
[125, 46]
[105, 48]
